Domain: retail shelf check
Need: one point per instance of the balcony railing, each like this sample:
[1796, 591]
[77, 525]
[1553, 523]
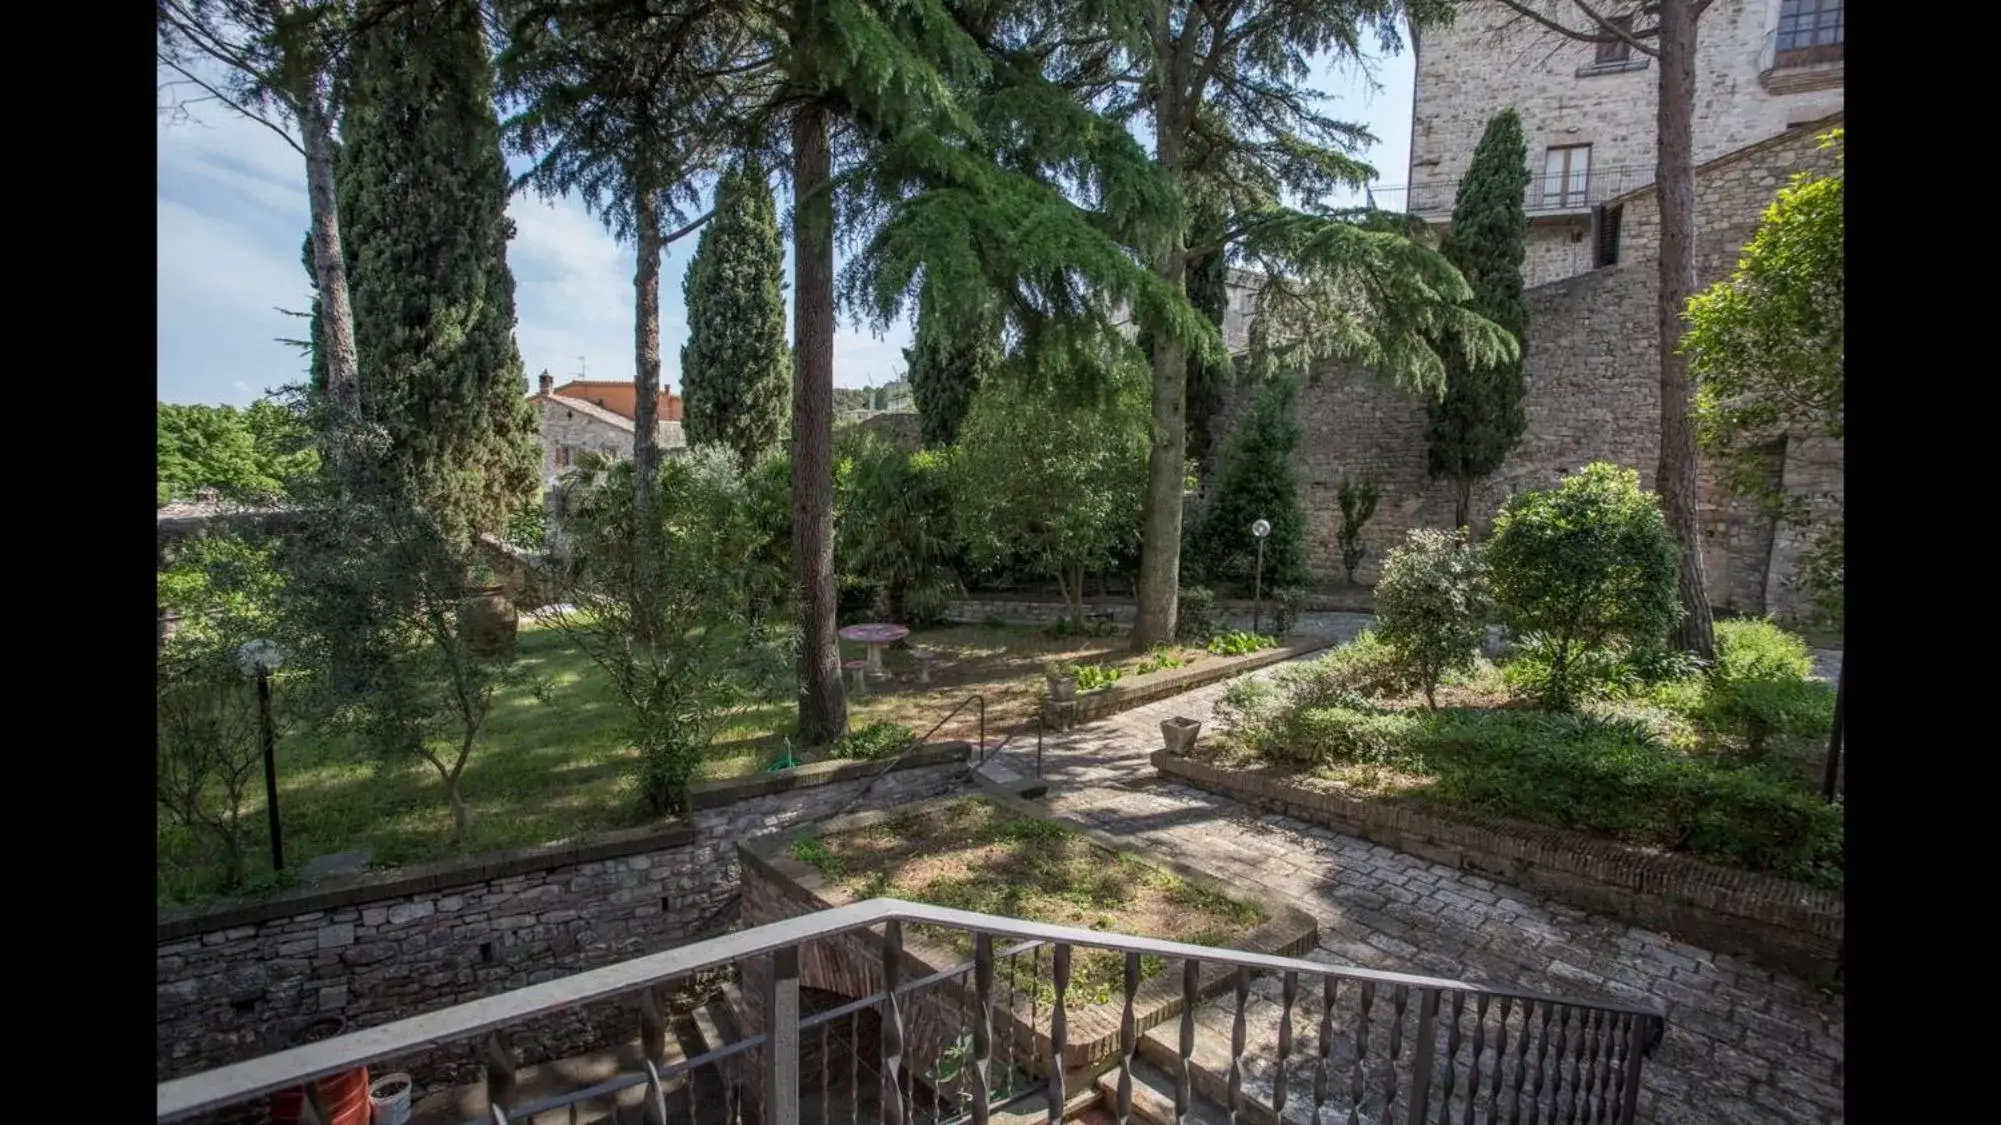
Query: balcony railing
[1546, 194]
[995, 1031]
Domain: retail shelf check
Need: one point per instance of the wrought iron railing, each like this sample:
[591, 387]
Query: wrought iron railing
[994, 1030]
[1546, 194]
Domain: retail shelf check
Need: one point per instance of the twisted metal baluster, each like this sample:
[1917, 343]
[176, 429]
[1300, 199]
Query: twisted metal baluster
[1288, 993]
[1059, 1030]
[1184, 1083]
[1358, 1074]
[1581, 1070]
[983, 1024]
[826, 1079]
[1451, 1059]
[1542, 1053]
[655, 1110]
[1128, 1040]
[892, 1023]
[1480, 1003]
[1323, 1068]
[1013, 1005]
[1522, 1060]
[1399, 1000]
[855, 1068]
[1234, 1092]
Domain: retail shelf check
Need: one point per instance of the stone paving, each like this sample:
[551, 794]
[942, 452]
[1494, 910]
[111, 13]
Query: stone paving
[1743, 1044]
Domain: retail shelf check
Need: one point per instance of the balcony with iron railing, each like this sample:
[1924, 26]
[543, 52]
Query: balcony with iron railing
[988, 1039]
[1548, 196]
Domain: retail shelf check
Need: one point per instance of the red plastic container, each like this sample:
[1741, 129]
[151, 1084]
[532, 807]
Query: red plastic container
[344, 1095]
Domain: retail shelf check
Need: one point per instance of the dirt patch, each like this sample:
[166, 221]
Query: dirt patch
[974, 855]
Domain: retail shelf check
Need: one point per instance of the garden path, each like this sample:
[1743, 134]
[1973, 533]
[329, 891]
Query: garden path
[1743, 1044]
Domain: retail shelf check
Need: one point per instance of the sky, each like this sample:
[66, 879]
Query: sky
[230, 210]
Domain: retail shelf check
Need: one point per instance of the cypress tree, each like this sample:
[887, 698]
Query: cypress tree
[423, 199]
[948, 361]
[1480, 417]
[736, 368]
[1255, 480]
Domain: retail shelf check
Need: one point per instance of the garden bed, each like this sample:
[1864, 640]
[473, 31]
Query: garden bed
[999, 855]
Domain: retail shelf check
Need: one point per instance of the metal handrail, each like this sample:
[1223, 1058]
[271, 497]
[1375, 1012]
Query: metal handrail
[228, 1085]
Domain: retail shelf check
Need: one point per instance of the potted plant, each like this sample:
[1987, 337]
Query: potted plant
[1062, 681]
[343, 1097]
[486, 617]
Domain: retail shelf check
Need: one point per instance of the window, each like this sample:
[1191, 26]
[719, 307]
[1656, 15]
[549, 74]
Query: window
[1618, 50]
[562, 456]
[1809, 31]
[1565, 176]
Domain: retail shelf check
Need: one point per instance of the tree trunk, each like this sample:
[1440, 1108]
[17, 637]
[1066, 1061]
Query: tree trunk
[1074, 595]
[458, 809]
[898, 588]
[646, 398]
[329, 265]
[1462, 504]
[1827, 785]
[1166, 460]
[1676, 477]
[822, 708]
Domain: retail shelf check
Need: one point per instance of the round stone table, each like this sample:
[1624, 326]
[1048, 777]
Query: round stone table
[876, 636]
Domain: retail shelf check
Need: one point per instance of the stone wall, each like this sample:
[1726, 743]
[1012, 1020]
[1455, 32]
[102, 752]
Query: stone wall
[388, 945]
[1782, 925]
[1593, 395]
[1489, 58]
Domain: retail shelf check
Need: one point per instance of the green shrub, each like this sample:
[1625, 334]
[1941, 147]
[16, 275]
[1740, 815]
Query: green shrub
[1609, 777]
[1288, 604]
[1365, 666]
[1250, 711]
[1162, 657]
[1255, 479]
[1586, 565]
[1091, 677]
[1755, 710]
[1757, 649]
[1431, 606]
[1349, 733]
[1239, 644]
[1195, 616]
[873, 742]
[1358, 506]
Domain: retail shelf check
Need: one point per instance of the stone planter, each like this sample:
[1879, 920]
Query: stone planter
[1062, 689]
[489, 621]
[1179, 734]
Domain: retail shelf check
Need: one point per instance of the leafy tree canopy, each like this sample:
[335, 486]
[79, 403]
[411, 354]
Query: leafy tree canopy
[256, 455]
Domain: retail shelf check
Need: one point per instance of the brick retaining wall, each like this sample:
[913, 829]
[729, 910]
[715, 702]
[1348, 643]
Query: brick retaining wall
[1781, 924]
[386, 945]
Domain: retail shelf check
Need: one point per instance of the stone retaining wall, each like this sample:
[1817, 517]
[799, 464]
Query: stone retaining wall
[382, 946]
[1783, 925]
[1137, 691]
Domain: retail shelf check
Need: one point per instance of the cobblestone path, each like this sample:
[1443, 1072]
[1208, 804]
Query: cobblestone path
[1743, 1044]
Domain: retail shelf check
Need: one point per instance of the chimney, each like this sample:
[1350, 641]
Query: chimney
[547, 382]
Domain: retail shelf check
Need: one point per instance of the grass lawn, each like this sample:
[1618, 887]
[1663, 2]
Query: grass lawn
[973, 855]
[556, 758]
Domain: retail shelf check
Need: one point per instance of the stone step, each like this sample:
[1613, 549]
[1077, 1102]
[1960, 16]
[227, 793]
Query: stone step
[1153, 1097]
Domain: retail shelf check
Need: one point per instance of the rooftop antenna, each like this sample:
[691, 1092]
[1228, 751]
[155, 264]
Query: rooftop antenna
[583, 367]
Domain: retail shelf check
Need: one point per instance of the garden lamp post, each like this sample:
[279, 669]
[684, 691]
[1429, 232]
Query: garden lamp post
[260, 659]
[1259, 530]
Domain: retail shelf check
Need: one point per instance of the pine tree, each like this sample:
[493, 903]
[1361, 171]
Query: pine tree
[948, 361]
[1481, 417]
[736, 368]
[423, 198]
[1256, 480]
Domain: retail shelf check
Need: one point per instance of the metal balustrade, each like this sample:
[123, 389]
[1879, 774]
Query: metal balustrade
[992, 1033]
[1546, 194]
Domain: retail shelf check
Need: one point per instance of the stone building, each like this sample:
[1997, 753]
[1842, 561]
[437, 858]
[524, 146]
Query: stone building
[1588, 110]
[1769, 81]
[586, 416]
